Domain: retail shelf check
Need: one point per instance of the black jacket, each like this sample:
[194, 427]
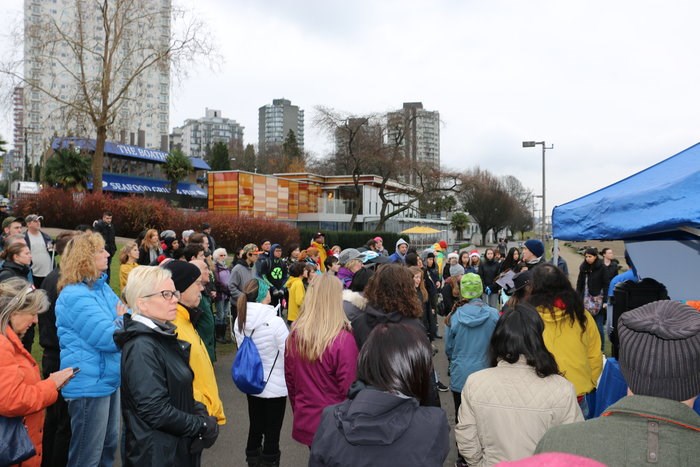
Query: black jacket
[48, 335]
[376, 428]
[363, 324]
[107, 232]
[11, 269]
[488, 271]
[596, 278]
[156, 394]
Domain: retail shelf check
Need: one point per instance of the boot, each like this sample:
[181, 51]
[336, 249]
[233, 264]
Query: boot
[219, 331]
[270, 460]
[253, 457]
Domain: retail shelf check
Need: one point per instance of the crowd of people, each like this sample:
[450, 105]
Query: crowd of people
[347, 336]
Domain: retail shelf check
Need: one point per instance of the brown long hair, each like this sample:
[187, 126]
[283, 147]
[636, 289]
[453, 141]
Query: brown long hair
[391, 289]
[423, 291]
[250, 293]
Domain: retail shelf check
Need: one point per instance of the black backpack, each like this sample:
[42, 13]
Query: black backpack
[629, 295]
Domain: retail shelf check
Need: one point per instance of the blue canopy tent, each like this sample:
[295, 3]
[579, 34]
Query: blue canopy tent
[656, 212]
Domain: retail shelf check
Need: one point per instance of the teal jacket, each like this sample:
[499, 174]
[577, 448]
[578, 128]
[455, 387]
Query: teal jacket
[637, 430]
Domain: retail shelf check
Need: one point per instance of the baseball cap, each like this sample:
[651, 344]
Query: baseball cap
[33, 217]
[319, 234]
[9, 220]
[251, 248]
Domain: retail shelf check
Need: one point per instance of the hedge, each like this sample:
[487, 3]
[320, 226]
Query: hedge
[132, 214]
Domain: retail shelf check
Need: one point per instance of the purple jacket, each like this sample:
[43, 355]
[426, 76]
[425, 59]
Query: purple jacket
[312, 386]
[345, 275]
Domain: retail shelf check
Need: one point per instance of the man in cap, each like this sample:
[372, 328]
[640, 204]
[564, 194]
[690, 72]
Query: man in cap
[206, 230]
[105, 228]
[187, 278]
[41, 247]
[533, 253]
[10, 226]
[654, 424]
[399, 256]
[319, 242]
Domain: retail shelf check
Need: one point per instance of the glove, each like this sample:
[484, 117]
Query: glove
[488, 290]
[207, 435]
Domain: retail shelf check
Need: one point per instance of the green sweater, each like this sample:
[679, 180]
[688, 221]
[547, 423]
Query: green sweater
[205, 327]
[637, 430]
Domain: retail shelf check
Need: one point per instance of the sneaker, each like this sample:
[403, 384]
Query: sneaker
[441, 387]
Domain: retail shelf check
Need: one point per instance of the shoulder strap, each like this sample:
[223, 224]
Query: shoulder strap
[276, 356]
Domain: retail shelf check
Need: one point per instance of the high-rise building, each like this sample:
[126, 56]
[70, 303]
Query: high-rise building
[198, 133]
[419, 132]
[274, 122]
[145, 108]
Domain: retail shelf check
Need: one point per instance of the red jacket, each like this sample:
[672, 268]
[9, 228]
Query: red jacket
[312, 386]
[22, 392]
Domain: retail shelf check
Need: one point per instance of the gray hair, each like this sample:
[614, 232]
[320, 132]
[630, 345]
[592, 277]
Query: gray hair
[19, 296]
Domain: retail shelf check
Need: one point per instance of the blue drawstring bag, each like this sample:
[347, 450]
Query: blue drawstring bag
[247, 369]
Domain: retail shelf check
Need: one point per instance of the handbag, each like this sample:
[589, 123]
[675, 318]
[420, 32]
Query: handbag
[592, 303]
[15, 444]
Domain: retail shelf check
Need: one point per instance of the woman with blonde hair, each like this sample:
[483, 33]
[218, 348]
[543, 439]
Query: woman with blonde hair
[320, 357]
[22, 391]
[163, 423]
[149, 249]
[128, 257]
[88, 313]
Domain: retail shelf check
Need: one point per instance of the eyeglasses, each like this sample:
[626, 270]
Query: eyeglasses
[166, 294]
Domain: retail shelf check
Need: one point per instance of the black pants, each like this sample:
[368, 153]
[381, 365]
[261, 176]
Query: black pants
[457, 396]
[57, 433]
[266, 417]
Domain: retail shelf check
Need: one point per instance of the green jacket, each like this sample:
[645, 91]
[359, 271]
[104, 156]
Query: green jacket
[637, 430]
[205, 327]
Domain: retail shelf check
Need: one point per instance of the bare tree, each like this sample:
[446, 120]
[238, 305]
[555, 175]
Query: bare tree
[484, 197]
[103, 47]
[359, 143]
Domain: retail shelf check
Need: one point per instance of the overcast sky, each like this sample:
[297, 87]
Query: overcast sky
[614, 85]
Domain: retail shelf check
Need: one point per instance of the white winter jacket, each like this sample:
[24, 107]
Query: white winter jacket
[269, 337]
[506, 410]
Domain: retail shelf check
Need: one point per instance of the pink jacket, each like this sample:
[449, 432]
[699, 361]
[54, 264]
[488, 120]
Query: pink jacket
[314, 386]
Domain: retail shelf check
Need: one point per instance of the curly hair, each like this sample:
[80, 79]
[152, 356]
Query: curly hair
[78, 262]
[391, 289]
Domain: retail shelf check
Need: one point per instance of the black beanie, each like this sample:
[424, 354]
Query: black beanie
[183, 274]
[660, 350]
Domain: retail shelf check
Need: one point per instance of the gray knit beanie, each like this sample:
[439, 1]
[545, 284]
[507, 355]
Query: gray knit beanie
[660, 350]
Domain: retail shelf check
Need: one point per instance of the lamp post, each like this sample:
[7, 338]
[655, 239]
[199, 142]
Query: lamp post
[532, 144]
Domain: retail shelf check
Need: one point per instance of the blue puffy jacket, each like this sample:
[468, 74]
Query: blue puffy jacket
[86, 318]
[467, 340]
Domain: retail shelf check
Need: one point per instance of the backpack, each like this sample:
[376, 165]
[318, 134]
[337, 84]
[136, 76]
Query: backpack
[247, 369]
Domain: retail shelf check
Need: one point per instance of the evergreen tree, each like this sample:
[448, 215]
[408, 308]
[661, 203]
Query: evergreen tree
[68, 170]
[249, 161]
[219, 159]
[177, 166]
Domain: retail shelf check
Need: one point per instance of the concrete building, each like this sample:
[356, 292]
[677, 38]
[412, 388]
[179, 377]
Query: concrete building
[53, 66]
[198, 133]
[274, 122]
[419, 129]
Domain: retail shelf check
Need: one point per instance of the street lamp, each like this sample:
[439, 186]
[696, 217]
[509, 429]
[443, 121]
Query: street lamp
[532, 144]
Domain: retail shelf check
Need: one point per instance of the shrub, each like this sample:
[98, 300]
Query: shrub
[133, 214]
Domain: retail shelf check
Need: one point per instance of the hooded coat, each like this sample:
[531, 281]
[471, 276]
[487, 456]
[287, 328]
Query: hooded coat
[157, 398]
[467, 340]
[377, 428]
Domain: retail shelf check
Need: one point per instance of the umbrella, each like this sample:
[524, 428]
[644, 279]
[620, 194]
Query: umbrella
[421, 230]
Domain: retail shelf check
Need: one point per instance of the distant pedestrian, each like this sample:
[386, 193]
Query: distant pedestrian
[105, 227]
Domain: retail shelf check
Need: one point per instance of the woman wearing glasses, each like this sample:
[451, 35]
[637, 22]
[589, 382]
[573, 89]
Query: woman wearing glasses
[22, 392]
[164, 425]
[87, 314]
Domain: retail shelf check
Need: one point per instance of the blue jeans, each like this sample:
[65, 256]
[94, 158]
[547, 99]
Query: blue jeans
[223, 310]
[95, 430]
